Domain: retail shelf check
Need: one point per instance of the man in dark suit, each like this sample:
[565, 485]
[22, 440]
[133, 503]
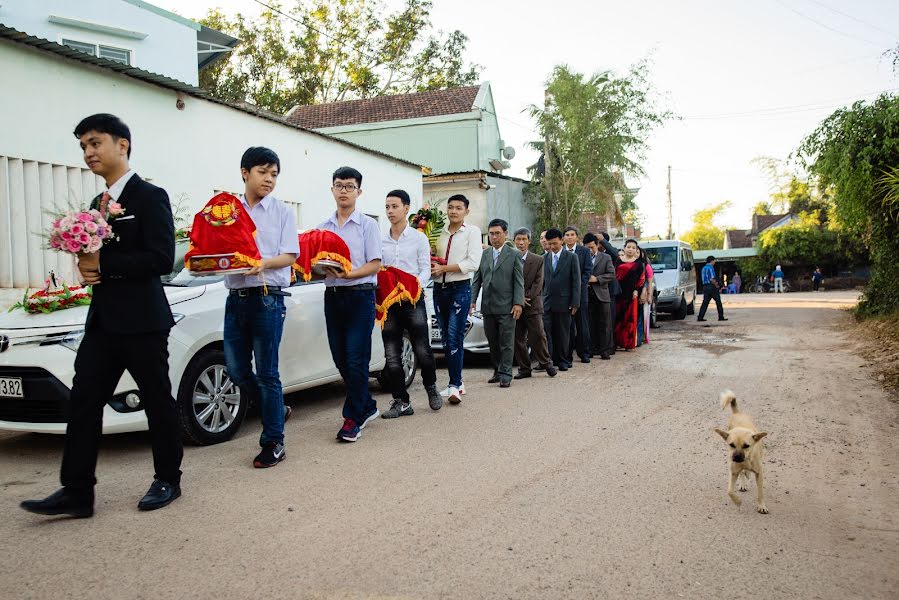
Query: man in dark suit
[580, 324]
[614, 286]
[561, 296]
[500, 277]
[127, 326]
[603, 274]
[529, 327]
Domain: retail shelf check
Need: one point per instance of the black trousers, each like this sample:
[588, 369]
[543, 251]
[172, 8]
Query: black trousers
[102, 359]
[579, 333]
[601, 325]
[557, 326]
[710, 292]
[404, 317]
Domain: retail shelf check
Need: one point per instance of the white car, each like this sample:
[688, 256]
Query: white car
[37, 356]
[475, 340]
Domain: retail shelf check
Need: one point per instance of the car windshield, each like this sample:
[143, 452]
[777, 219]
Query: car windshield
[662, 258]
[180, 276]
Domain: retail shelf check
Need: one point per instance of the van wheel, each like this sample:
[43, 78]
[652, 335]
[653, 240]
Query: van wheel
[691, 309]
[210, 405]
[410, 365]
[681, 313]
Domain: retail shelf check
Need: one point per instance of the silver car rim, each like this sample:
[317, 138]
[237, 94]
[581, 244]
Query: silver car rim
[408, 359]
[216, 399]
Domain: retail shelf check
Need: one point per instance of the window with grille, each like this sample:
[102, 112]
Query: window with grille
[108, 52]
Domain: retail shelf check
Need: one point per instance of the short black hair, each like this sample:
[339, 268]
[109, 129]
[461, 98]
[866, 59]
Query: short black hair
[347, 173]
[604, 235]
[709, 259]
[522, 231]
[459, 197]
[590, 237]
[401, 194]
[105, 123]
[498, 223]
[572, 228]
[553, 234]
[259, 156]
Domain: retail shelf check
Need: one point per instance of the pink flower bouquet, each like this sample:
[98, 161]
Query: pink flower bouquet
[81, 231]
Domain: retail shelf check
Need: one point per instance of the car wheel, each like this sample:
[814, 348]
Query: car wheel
[410, 365]
[691, 308]
[210, 404]
[681, 313]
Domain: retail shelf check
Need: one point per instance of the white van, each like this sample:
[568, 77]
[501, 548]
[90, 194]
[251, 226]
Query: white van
[672, 265]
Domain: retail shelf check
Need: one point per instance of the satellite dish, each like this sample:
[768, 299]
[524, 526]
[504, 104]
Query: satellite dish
[508, 152]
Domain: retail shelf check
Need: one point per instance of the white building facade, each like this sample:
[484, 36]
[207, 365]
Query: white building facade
[186, 143]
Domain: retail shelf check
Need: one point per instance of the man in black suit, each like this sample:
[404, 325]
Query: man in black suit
[603, 274]
[127, 326]
[614, 286]
[580, 324]
[561, 296]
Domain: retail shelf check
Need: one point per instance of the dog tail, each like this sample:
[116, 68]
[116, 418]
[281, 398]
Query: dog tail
[728, 397]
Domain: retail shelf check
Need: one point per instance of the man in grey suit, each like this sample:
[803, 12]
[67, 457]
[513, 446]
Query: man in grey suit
[500, 277]
[602, 274]
[561, 296]
[529, 335]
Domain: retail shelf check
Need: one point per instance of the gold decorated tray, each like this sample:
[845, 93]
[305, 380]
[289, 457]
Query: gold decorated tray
[217, 264]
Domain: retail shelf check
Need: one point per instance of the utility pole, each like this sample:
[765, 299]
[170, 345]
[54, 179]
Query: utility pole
[670, 231]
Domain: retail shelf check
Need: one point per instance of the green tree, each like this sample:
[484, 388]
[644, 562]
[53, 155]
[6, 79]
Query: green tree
[597, 128]
[705, 235]
[335, 50]
[850, 153]
[810, 243]
[762, 208]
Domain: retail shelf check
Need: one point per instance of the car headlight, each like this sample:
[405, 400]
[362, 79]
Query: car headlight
[668, 291]
[72, 340]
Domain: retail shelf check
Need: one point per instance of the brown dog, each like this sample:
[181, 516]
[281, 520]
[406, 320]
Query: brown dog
[746, 452]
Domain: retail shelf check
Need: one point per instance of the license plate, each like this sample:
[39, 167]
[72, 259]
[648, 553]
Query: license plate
[435, 335]
[11, 387]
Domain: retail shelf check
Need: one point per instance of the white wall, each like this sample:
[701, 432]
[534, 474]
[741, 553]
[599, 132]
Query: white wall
[437, 193]
[190, 152]
[169, 49]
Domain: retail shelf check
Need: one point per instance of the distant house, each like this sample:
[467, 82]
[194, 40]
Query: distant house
[454, 133]
[183, 140]
[737, 238]
[748, 238]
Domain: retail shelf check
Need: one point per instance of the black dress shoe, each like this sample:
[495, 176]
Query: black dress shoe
[551, 371]
[605, 356]
[505, 382]
[585, 360]
[701, 320]
[722, 319]
[521, 375]
[494, 379]
[563, 368]
[62, 502]
[161, 493]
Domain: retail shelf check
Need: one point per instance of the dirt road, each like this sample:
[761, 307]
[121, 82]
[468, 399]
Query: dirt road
[606, 482]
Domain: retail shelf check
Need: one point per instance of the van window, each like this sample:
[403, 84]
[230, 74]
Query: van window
[687, 260]
[663, 257]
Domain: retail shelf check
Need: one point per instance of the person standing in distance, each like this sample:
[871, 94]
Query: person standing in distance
[501, 277]
[529, 328]
[407, 249]
[460, 246]
[561, 296]
[710, 290]
[580, 322]
[254, 310]
[350, 301]
[127, 327]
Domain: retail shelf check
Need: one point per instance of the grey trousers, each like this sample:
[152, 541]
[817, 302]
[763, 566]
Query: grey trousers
[500, 331]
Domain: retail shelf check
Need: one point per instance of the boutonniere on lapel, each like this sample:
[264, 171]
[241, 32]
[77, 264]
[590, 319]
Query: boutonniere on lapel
[114, 211]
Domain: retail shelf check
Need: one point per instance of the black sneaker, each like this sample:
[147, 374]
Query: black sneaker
[398, 408]
[272, 453]
[435, 400]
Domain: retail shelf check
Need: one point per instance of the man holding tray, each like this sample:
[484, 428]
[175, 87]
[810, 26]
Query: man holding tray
[254, 311]
[350, 301]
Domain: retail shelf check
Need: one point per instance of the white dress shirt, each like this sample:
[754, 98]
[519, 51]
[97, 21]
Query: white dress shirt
[115, 190]
[464, 250]
[411, 253]
[276, 234]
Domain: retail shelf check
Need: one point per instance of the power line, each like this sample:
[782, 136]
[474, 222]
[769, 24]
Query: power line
[828, 27]
[856, 19]
[785, 110]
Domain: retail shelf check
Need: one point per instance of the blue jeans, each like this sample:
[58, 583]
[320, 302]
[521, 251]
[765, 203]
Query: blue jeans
[350, 317]
[253, 327]
[451, 304]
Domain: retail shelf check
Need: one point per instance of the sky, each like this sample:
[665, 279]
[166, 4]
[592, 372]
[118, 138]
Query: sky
[748, 79]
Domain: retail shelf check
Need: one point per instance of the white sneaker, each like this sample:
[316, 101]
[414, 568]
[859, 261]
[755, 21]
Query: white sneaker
[446, 393]
[455, 395]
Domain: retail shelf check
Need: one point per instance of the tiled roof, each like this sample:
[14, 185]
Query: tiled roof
[738, 238]
[762, 222]
[385, 108]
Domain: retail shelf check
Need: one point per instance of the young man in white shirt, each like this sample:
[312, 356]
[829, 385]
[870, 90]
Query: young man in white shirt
[407, 249]
[254, 310]
[460, 246]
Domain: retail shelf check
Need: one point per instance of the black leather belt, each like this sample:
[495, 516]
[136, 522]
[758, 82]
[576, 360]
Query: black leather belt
[271, 290]
[362, 287]
[452, 284]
